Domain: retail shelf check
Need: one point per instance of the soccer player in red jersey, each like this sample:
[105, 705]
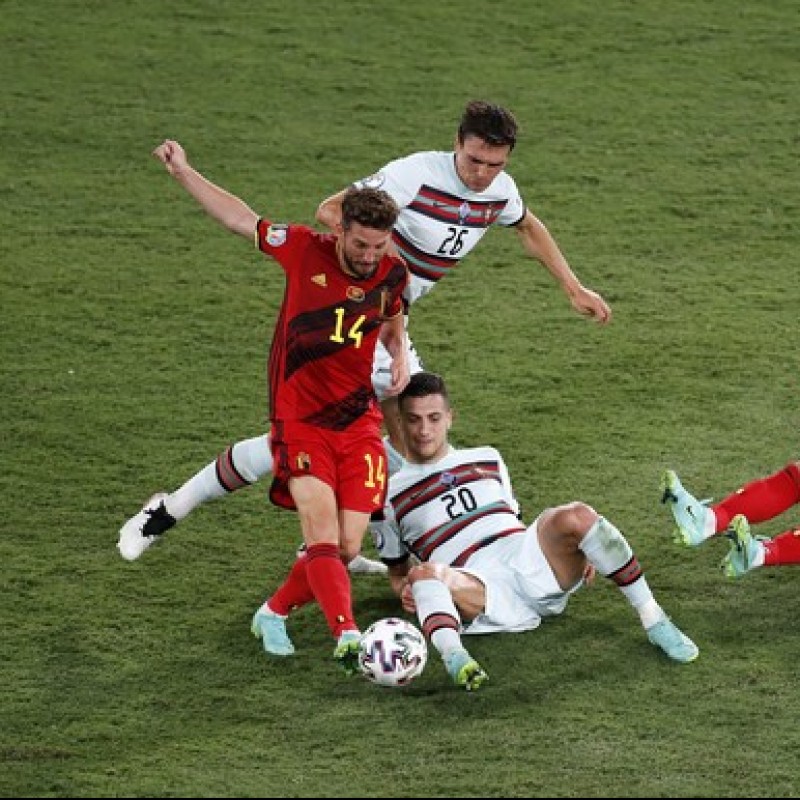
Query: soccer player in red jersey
[343, 294]
[757, 501]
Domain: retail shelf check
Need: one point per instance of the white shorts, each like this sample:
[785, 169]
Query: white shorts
[382, 366]
[520, 585]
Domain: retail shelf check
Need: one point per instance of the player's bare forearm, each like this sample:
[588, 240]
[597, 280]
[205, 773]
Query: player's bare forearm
[329, 211]
[538, 243]
[329, 214]
[393, 335]
[218, 203]
[400, 376]
[393, 338]
[228, 210]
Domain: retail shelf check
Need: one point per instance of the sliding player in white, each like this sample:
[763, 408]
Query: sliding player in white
[458, 554]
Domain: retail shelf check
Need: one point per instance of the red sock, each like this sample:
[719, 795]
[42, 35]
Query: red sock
[761, 499]
[294, 592]
[329, 580]
[783, 549]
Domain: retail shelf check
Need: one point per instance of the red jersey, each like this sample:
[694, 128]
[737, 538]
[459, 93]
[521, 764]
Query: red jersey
[320, 363]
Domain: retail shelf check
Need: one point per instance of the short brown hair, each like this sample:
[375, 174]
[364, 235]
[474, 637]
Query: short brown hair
[423, 384]
[488, 121]
[372, 208]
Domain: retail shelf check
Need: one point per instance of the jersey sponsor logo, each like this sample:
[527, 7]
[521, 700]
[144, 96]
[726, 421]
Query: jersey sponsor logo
[320, 280]
[276, 235]
[372, 182]
[355, 293]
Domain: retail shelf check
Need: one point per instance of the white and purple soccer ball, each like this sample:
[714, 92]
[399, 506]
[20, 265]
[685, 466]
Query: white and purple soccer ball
[392, 652]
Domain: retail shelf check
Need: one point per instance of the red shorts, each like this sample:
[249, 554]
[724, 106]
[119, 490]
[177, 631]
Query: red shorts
[351, 462]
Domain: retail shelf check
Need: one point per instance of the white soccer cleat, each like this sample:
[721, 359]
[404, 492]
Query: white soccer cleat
[140, 531]
[361, 565]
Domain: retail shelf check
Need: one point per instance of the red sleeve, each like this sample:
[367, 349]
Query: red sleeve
[281, 241]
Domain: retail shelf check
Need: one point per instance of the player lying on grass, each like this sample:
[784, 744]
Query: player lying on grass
[460, 558]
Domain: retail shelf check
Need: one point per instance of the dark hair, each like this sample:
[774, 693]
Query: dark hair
[372, 208]
[492, 123]
[423, 384]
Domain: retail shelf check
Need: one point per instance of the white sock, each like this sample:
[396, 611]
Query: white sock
[650, 613]
[251, 459]
[608, 551]
[445, 640]
[436, 610]
[267, 610]
[199, 489]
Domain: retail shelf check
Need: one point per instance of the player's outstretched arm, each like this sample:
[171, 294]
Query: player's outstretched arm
[224, 207]
[538, 242]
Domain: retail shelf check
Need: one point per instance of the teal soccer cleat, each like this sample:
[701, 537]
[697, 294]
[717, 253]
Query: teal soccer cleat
[465, 670]
[743, 550]
[271, 629]
[346, 652]
[677, 645]
[689, 513]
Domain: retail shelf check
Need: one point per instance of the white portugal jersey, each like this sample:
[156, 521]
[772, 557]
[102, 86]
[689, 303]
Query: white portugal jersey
[441, 220]
[445, 512]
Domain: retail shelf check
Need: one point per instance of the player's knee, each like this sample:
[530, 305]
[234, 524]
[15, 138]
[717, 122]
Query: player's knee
[575, 517]
[578, 513]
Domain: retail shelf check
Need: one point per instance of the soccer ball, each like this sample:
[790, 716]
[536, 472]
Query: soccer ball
[392, 652]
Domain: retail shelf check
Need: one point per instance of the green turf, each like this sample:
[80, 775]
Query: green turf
[659, 144]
